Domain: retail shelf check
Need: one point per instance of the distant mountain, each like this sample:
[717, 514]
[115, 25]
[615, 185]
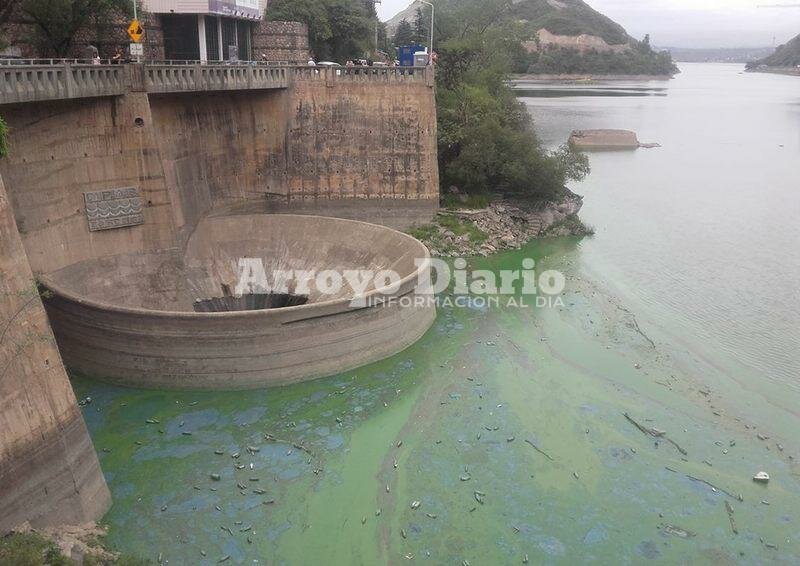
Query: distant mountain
[560, 17]
[570, 18]
[787, 55]
[409, 14]
[718, 55]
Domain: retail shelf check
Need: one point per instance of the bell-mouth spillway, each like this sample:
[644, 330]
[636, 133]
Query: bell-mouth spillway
[172, 319]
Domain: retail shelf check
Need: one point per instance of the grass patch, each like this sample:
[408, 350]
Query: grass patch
[31, 549]
[461, 227]
[466, 202]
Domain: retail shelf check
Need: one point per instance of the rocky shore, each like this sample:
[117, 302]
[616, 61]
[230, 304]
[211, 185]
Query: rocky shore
[505, 224]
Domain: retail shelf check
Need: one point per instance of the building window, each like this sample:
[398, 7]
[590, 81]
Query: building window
[212, 38]
[229, 47]
[181, 38]
[243, 40]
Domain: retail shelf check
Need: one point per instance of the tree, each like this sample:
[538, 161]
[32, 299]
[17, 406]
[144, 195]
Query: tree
[57, 22]
[421, 31]
[337, 29]
[404, 34]
[486, 136]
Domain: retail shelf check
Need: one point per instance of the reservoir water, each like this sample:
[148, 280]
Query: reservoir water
[502, 436]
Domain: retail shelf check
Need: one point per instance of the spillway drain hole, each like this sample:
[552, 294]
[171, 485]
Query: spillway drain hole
[250, 302]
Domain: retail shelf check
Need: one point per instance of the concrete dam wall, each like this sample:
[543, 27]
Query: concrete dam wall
[353, 146]
[98, 181]
[49, 472]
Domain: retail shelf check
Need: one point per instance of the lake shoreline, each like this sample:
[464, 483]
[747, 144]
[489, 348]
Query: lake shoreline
[505, 224]
[585, 77]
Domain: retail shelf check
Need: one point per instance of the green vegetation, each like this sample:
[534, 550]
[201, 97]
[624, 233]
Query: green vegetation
[787, 55]
[466, 202]
[463, 227]
[3, 138]
[404, 34]
[569, 17]
[57, 22]
[486, 137]
[30, 549]
[33, 549]
[434, 234]
[338, 29]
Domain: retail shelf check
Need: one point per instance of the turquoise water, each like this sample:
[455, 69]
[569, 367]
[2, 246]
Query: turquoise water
[507, 425]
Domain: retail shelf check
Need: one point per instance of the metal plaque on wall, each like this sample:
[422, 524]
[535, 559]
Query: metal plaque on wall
[113, 208]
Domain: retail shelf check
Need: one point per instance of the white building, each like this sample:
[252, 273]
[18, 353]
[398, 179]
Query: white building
[208, 30]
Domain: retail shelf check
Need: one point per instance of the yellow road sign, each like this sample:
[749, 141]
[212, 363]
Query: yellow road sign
[135, 31]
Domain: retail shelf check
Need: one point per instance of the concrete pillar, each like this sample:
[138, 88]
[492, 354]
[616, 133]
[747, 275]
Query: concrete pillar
[49, 472]
[201, 32]
[219, 39]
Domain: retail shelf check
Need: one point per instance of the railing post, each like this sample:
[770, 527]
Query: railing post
[69, 82]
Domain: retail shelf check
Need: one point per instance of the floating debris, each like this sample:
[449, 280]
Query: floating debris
[761, 477]
[226, 529]
[655, 433]
[539, 450]
[415, 504]
[729, 510]
[403, 533]
[677, 531]
[714, 487]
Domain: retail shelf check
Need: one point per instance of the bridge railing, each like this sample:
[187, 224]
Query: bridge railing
[35, 82]
[364, 74]
[163, 78]
[52, 79]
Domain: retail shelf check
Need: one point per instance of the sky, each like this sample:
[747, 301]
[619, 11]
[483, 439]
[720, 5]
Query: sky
[690, 23]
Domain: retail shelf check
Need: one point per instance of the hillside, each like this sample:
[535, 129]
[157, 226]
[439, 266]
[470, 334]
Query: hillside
[569, 17]
[787, 55]
[408, 14]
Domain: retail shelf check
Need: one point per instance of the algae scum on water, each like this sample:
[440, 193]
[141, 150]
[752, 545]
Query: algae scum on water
[499, 438]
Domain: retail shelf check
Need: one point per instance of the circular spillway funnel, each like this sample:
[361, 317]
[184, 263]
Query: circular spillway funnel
[252, 301]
